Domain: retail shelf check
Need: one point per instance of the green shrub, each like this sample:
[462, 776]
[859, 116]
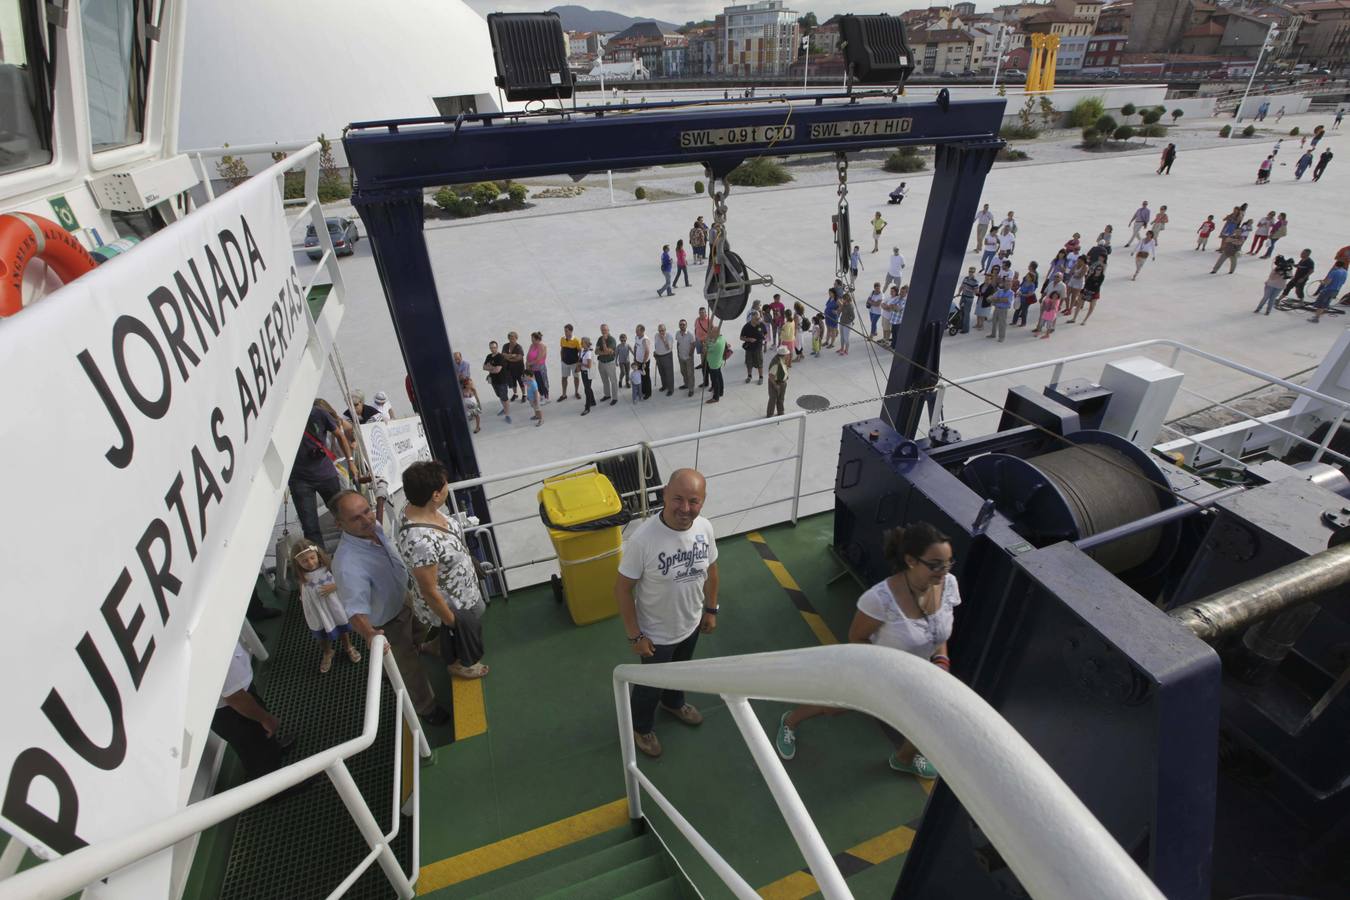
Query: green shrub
[332, 188]
[1019, 132]
[759, 172]
[1123, 133]
[906, 159]
[517, 194]
[233, 169]
[1105, 124]
[1151, 116]
[1177, 114]
[1128, 110]
[1249, 131]
[1092, 137]
[698, 187]
[1153, 130]
[1010, 154]
[1225, 131]
[484, 193]
[1294, 132]
[1086, 111]
[640, 193]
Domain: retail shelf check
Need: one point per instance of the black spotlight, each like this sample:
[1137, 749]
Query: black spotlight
[875, 49]
[530, 51]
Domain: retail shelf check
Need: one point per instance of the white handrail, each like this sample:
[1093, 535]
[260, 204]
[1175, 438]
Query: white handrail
[71, 873]
[1002, 782]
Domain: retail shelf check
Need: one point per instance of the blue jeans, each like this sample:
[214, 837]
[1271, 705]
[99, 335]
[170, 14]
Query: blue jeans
[667, 290]
[303, 490]
[1268, 298]
[965, 313]
[644, 698]
[1270, 248]
[876, 317]
[985, 257]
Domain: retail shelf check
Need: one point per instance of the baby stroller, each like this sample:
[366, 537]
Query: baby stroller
[954, 317]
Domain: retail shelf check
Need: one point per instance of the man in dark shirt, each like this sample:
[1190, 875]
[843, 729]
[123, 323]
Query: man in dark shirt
[495, 365]
[515, 365]
[1303, 270]
[752, 342]
[314, 472]
[364, 412]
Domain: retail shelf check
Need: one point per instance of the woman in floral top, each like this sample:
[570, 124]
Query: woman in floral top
[445, 581]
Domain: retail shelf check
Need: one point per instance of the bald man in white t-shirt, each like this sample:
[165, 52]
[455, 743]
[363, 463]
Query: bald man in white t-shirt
[667, 595]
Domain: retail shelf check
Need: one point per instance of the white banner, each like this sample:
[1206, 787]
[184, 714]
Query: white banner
[145, 395]
[393, 446]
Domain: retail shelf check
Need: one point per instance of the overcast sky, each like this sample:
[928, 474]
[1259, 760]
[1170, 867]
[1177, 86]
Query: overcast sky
[681, 11]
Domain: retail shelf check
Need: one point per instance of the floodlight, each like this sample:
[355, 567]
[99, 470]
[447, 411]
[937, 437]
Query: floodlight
[875, 49]
[530, 51]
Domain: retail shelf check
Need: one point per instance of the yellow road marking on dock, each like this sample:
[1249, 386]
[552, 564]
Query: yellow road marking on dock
[523, 846]
[470, 709]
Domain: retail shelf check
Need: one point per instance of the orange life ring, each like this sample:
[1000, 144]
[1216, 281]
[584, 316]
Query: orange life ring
[24, 237]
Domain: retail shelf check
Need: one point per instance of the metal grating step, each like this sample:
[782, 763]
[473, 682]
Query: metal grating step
[302, 846]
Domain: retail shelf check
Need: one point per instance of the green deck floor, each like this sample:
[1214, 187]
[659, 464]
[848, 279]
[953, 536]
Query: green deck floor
[551, 749]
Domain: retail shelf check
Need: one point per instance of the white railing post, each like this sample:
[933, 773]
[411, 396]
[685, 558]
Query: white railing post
[818, 856]
[404, 702]
[797, 474]
[12, 857]
[370, 829]
[627, 749]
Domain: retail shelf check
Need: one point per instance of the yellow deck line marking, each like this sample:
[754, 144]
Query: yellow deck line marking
[885, 846]
[793, 887]
[780, 574]
[523, 846]
[470, 709]
[823, 632]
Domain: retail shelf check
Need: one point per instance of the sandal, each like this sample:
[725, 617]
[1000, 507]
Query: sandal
[326, 663]
[477, 670]
[353, 654]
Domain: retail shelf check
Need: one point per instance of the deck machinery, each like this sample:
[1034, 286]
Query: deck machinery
[1220, 766]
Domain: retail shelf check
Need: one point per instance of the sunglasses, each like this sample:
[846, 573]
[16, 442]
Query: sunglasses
[937, 565]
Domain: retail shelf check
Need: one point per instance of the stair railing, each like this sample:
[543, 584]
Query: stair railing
[1050, 840]
[71, 873]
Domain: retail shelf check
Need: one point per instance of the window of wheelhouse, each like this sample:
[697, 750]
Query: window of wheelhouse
[25, 90]
[117, 69]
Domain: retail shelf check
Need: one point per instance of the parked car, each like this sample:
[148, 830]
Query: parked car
[1014, 75]
[343, 233]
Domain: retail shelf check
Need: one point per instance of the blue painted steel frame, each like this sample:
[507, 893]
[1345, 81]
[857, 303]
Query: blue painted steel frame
[395, 160]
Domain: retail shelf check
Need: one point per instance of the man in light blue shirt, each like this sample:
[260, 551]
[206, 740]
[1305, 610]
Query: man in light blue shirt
[373, 584]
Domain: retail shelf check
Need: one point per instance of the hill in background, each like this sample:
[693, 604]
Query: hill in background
[579, 18]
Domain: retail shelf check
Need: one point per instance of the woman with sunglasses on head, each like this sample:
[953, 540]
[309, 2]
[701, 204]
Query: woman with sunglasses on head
[910, 611]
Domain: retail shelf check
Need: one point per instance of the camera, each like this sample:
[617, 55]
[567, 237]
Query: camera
[1285, 266]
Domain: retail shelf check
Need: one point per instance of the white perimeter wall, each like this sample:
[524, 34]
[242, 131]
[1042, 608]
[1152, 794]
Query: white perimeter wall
[273, 71]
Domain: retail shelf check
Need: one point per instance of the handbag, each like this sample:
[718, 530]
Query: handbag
[726, 354]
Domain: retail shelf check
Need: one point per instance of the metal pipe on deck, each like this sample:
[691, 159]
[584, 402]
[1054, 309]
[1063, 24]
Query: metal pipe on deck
[1162, 517]
[1219, 615]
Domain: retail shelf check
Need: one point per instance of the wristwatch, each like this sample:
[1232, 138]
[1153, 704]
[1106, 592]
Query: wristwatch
[710, 610]
[634, 640]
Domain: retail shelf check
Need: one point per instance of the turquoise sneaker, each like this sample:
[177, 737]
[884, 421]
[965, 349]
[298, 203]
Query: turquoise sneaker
[920, 768]
[786, 742]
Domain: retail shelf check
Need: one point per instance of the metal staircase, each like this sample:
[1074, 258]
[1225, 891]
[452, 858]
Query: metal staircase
[615, 864]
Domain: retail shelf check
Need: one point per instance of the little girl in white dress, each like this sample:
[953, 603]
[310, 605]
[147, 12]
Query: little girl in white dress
[324, 613]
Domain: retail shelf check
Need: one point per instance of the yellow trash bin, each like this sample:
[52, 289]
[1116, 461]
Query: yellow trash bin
[581, 510]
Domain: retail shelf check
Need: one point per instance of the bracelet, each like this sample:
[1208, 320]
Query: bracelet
[634, 640]
[710, 610]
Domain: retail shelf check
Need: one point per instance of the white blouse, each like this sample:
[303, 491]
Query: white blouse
[921, 636]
